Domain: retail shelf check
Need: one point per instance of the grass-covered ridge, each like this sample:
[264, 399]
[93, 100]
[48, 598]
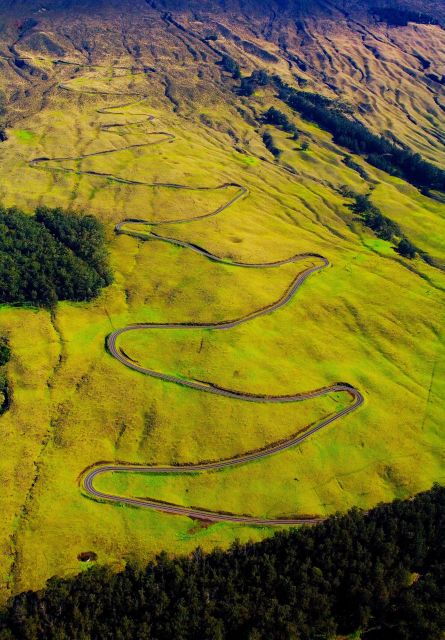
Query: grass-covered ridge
[54, 255]
[378, 575]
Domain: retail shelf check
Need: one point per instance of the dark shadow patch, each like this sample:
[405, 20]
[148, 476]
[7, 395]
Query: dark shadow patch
[149, 425]
[87, 556]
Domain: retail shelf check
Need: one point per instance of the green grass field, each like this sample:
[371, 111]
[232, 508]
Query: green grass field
[371, 319]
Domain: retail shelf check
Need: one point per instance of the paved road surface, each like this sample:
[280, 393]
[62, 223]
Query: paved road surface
[317, 263]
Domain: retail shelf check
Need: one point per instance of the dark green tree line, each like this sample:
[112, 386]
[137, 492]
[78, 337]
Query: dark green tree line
[5, 351]
[270, 144]
[381, 573]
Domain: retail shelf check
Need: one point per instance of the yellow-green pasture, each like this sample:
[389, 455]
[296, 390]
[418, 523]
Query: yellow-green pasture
[371, 319]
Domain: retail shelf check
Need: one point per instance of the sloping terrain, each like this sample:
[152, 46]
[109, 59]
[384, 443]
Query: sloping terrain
[127, 112]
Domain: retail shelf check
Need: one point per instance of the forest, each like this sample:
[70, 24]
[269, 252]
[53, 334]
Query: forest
[53, 255]
[378, 574]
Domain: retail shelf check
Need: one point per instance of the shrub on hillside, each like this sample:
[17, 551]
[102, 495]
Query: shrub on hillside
[5, 352]
[406, 249]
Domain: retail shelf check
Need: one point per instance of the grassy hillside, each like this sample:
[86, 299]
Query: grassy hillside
[372, 319]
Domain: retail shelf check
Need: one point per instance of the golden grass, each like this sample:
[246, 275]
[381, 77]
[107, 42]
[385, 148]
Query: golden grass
[371, 319]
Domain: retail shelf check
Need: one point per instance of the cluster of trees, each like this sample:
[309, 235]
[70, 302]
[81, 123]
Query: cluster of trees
[406, 248]
[380, 574]
[3, 102]
[231, 66]
[270, 144]
[5, 351]
[373, 218]
[4, 393]
[380, 152]
[53, 255]
[382, 226]
[279, 119]
[249, 84]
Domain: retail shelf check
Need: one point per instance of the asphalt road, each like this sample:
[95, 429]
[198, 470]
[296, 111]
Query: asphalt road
[116, 352]
[214, 516]
[318, 263]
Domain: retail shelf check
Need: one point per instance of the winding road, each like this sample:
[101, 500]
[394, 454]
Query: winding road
[318, 263]
[357, 399]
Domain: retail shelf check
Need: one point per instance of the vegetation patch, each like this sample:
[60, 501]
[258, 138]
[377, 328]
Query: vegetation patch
[24, 135]
[279, 119]
[350, 162]
[5, 354]
[380, 575]
[249, 84]
[385, 228]
[270, 144]
[231, 66]
[54, 255]
[334, 116]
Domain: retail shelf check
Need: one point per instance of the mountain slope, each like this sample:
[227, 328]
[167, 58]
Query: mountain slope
[109, 108]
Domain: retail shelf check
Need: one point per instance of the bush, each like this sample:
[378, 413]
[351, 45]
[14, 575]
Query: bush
[231, 66]
[5, 352]
[269, 143]
[406, 249]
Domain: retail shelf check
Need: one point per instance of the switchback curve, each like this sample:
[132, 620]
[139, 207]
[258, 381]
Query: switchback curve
[202, 514]
[357, 398]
